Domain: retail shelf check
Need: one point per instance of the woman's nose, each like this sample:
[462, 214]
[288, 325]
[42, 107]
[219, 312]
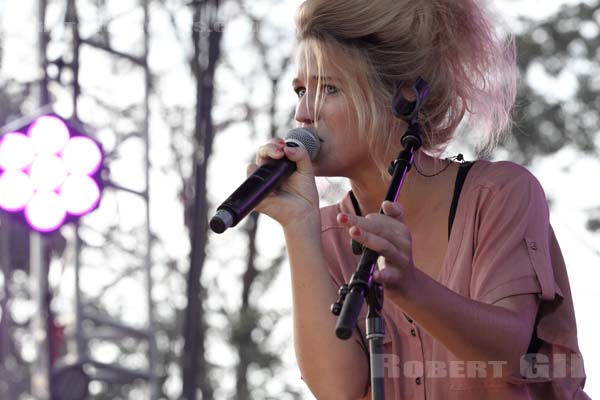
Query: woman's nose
[304, 112]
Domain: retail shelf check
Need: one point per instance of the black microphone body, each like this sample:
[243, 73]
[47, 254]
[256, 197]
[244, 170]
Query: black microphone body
[261, 182]
[250, 193]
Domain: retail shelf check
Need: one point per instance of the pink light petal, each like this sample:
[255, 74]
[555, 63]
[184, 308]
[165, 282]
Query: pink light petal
[16, 151]
[15, 190]
[47, 172]
[80, 194]
[82, 156]
[48, 134]
[45, 212]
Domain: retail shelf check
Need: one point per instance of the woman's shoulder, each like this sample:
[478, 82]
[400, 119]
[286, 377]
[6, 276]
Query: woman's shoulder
[499, 174]
[507, 187]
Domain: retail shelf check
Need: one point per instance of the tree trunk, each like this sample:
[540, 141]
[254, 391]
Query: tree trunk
[206, 54]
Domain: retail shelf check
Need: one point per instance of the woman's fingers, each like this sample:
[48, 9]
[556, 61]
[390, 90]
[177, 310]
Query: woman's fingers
[277, 149]
[300, 156]
[273, 150]
[387, 234]
[250, 169]
[394, 252]
[379, 224]
[394, 210]
[389, 277]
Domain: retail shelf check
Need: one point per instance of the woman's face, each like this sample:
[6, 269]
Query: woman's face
[342, 153]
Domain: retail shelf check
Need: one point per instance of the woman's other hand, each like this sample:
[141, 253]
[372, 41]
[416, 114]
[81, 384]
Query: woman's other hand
[388, 235]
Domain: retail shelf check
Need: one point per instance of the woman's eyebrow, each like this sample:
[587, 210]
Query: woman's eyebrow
[297, 81]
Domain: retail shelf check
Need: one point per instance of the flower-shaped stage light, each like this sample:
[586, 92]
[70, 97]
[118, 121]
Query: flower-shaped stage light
[49, 173]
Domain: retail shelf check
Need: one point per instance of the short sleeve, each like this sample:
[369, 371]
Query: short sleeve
[511, 250]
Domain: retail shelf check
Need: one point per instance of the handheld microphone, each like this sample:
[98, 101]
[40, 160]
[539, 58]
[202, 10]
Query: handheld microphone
[262, 181]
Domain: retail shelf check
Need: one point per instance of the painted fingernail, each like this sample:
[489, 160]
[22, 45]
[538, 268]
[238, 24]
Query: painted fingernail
[281, 142]
[356, 231]
[343, 218]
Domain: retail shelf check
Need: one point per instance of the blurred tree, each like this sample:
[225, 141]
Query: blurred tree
[207, 48]
[563, 110]
[252, 326]
[249, 327]
[558, 102]
[14, 254]
[112, 249]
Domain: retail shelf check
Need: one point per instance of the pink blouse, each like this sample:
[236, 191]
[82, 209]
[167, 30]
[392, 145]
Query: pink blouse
[501, 245]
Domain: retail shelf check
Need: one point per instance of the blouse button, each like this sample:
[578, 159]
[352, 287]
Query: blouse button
[418, 381]
[413, 332]
[533, 245]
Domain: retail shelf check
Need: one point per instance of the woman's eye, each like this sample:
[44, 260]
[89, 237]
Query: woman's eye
[330, 89]
[326, 89]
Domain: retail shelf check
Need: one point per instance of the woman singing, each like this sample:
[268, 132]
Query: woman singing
[477, 300]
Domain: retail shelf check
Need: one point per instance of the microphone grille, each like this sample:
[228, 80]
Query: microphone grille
[306, 139]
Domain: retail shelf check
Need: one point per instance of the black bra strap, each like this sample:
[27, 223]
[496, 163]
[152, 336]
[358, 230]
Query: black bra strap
[355, 204]
[463, 170]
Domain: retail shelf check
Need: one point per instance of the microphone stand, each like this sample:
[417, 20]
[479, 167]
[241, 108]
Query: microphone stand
[361, 286]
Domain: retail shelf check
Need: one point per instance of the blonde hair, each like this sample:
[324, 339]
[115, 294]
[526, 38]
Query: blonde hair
[377, 44]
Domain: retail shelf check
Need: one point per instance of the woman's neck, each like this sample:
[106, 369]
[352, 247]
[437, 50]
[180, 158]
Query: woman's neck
[371, 187]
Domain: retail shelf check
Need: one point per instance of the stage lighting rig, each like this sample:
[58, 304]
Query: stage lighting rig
[49, 173]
